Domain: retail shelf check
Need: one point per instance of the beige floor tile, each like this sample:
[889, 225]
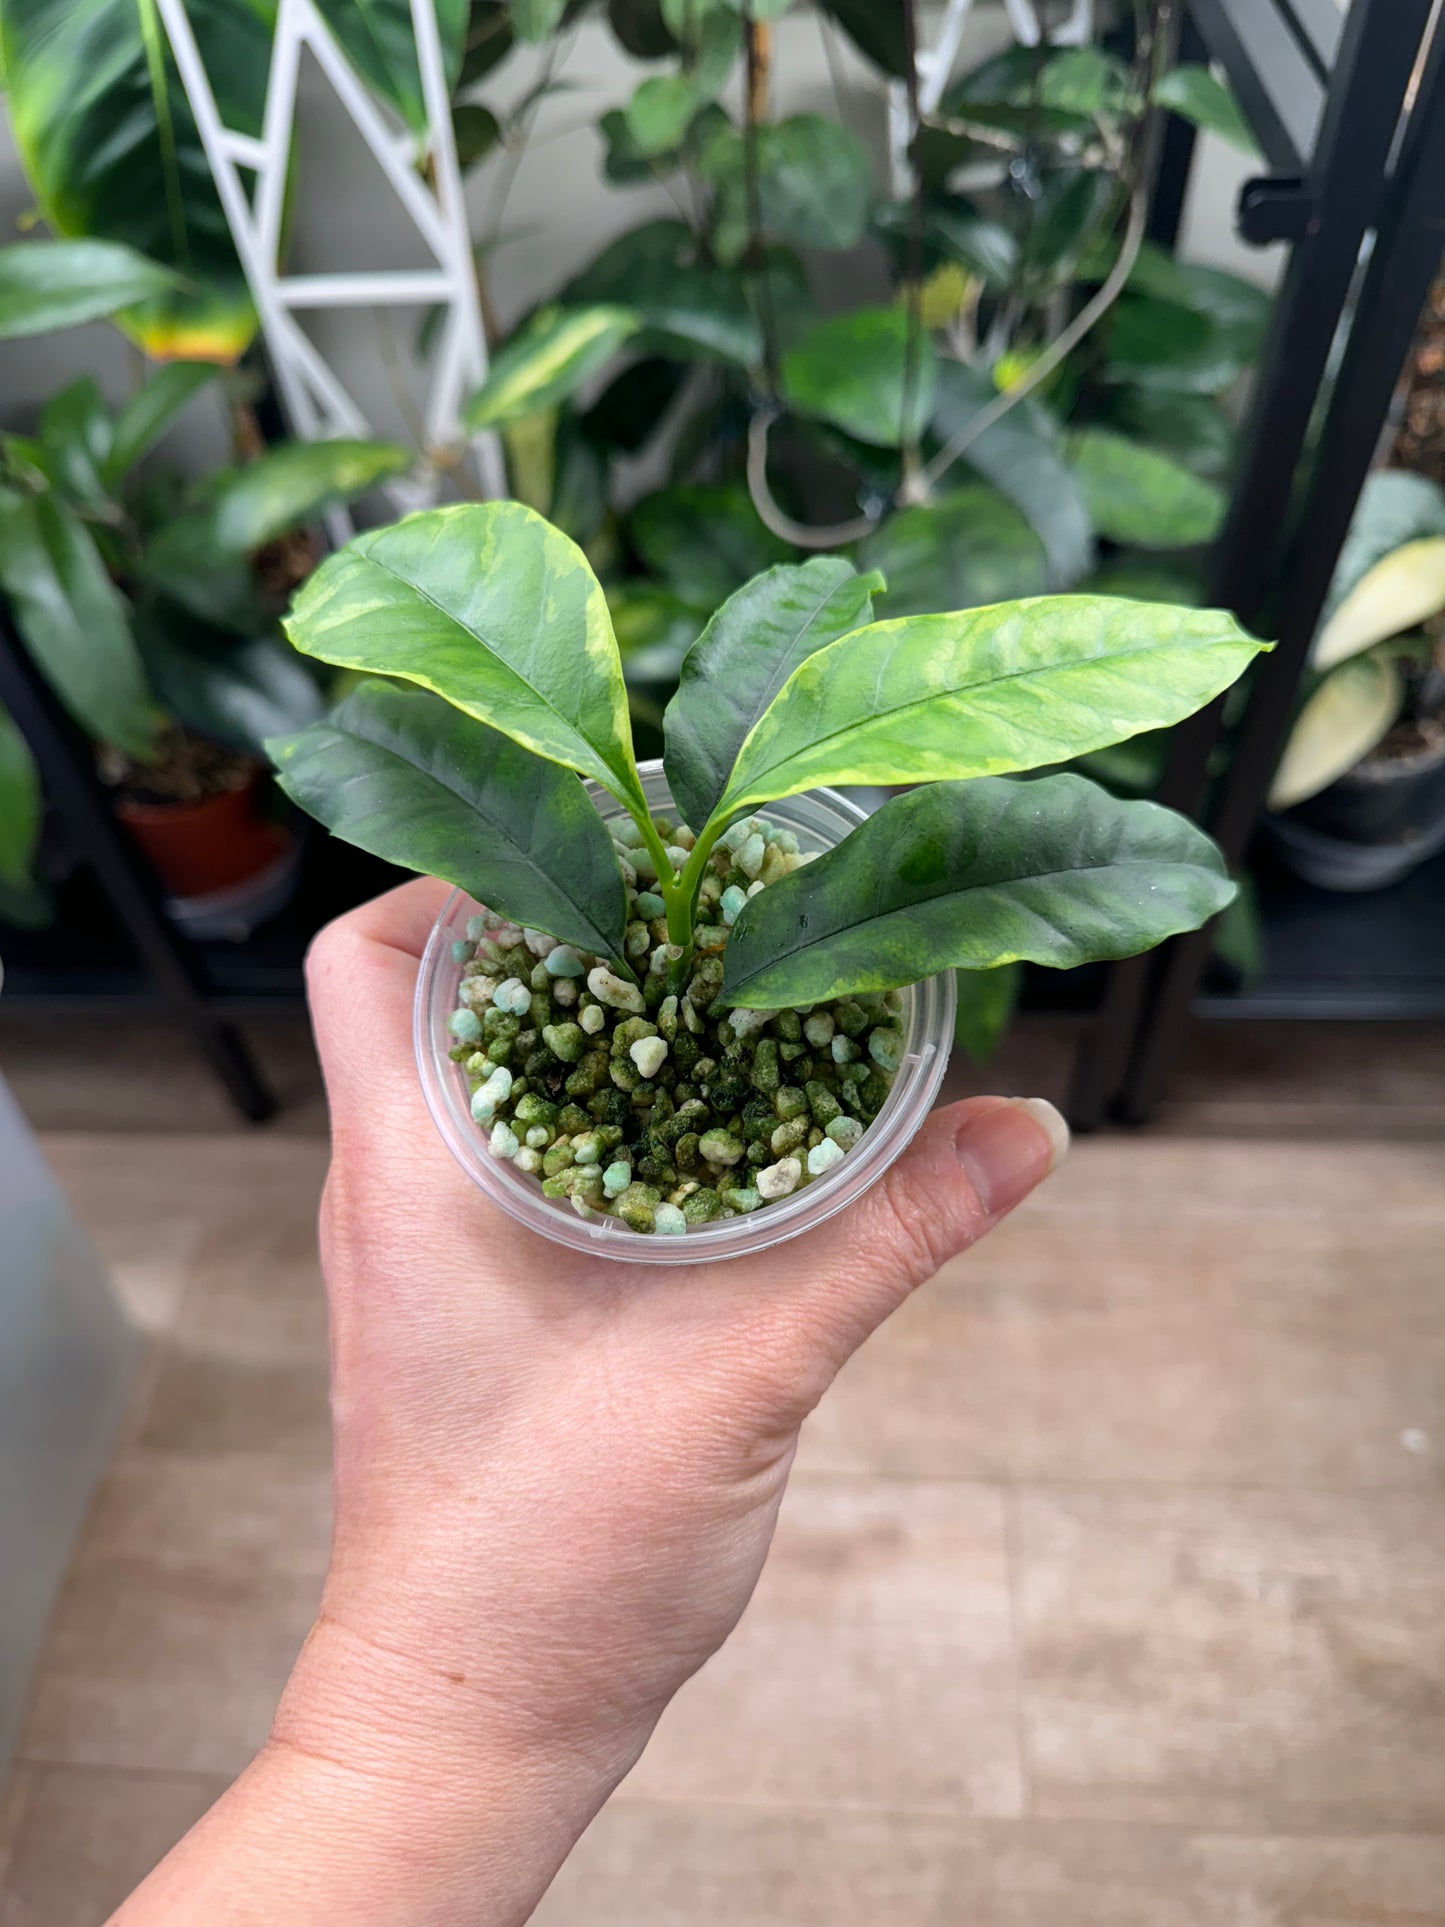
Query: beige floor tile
[1269, 1660]
[193, 1588]
[219, 1401]
[874, 1667]
[652, 1865]
[91, 1836]
[16, 1792]
[1208, 1350]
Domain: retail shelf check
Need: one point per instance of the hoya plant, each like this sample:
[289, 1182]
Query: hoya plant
[676, 1014]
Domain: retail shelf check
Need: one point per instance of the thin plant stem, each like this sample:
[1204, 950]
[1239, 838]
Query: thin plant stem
[758, 46]
[1099, 304]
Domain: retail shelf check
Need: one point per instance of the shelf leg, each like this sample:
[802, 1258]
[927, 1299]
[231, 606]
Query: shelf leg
[64, 758]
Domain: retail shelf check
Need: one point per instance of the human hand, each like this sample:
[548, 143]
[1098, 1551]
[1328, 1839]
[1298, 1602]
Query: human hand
[556, 1477]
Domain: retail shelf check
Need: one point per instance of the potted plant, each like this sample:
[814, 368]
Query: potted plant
[1359, 795]
[150, 604]
[674, 1008]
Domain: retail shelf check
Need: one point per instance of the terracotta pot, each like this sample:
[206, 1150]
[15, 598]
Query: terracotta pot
[214, 844]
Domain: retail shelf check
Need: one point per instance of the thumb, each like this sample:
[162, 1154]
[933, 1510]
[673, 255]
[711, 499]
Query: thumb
[967, 1168]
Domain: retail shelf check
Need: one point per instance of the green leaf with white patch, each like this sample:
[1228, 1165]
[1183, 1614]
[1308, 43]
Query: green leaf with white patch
[1406, 588]
[1395, 507]
[1351, 711]
[855, 372]
[973, 876]
[74, 620]
[985, 691]
[293, 485]
[47, 285]
[492, 608]
[1139, 496]
[548, 360]
[19, 805]
[402, 774]
[740, 662]
[1197, 96]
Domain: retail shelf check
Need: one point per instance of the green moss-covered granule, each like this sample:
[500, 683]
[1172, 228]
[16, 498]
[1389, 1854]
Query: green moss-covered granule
[664, 1110]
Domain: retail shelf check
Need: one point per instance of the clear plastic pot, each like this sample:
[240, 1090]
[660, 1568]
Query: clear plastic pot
[818, 821]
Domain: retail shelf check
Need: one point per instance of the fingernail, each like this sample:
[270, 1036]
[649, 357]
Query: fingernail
[1009, 1148]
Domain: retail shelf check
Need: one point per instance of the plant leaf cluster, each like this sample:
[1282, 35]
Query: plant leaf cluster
[135, 595]
[499, 625]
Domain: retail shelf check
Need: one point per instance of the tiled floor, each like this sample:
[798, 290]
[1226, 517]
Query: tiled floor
[1109, 1592]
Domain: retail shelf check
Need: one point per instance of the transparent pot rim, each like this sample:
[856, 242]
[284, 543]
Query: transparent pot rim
[820, 819]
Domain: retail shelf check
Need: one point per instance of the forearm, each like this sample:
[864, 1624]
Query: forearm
[383, 1800]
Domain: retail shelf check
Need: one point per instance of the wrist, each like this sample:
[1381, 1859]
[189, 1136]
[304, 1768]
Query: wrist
[383, 1801]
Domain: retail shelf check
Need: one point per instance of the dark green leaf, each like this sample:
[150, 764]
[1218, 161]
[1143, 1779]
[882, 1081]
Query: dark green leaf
[47, 285]
[1019, 456]
[967, 548]
[579, 483]
[476, 131]
[876, 29]
[975, 875]
[151, 411]
[537, 20]
[492, 608]
[1139, 496]
[704, 542]
[1067, 214]
[488, 40]
[186, 563]
[1082, 80]
[1193, 93]
[660, 113]
[630, 408]
[654, 271]
[109, 145]
[987, 1000]
[19, 805]
[984, 692]
[854, 371]
[814, 183]
[1177, 350]
[73, 620]
[75, 435]
[27, 906]
[402, 774]
[1148, 578]
[740, 662]
[953, 230]
[292, 485]
[1191, 427]
[238, 689]
[655, 630]
[548, 360]
[640, 28]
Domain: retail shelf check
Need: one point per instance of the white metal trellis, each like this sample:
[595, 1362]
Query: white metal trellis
[317, 402]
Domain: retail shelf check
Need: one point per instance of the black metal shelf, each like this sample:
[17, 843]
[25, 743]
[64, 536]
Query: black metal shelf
[1329, 956]
[85, 961]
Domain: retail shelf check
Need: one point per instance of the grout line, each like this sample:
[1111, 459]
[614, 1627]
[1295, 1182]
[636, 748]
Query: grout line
[990, 1479]
[1013, 1577]
[1040, 1822]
